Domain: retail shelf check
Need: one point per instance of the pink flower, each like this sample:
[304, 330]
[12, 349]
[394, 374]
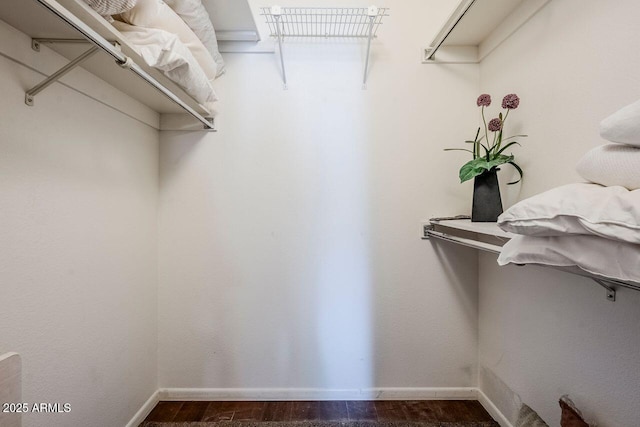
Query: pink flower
[495, 125]
[484, 100]
[510, 101]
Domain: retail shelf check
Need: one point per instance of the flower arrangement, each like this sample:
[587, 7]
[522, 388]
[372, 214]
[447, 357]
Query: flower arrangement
[488, 153]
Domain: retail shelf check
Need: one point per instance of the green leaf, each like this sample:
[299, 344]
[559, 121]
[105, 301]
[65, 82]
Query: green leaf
[507, 146]
[498, 160]
[473, 168]
[486, 150]
[469, 170]
[477, 166]
[512, 163]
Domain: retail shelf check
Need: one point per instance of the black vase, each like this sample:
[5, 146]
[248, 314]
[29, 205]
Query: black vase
[487, 204]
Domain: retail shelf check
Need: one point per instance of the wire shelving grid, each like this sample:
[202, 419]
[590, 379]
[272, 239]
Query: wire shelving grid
[346, 22]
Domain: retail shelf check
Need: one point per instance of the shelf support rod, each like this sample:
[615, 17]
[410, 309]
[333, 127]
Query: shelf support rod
[372, 13]
[31, 93]
[276, 11]
[475, 244]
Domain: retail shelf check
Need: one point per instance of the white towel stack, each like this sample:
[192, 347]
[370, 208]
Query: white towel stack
[617, 163]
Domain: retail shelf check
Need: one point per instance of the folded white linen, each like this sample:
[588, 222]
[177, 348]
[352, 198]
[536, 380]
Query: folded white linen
[623, 126]
[612, 164]
[111, 7]
[194, 14]
[610, 212]
[165, 52]
[156, 14]
[593, 254]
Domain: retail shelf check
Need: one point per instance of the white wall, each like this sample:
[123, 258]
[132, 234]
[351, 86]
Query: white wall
[544, 333]
[289, 249]
[78, 194]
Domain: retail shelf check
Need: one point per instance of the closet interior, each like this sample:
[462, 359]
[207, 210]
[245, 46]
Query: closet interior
[228, 209]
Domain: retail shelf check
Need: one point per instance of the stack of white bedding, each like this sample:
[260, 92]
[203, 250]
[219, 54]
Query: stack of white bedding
[593, 226]
[616, 163]
[176, 37]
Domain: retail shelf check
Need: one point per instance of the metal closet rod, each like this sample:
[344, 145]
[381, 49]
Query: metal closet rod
[475, 244]
[605, 282]
[122, 60]
[456, 21]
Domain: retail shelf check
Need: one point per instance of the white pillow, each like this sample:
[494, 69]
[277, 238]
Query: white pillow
[165, 52]
[156, 14]
[604, 257]
[111, 7]
[611, 212]
[623, 126]
[612, 164]
[194, 14]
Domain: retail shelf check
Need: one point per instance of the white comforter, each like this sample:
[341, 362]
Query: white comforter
[164, 51]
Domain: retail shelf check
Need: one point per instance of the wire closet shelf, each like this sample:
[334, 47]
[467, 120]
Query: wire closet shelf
[325, 22]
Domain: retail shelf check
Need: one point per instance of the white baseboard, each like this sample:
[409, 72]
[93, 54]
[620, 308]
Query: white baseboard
[145, 410]
[437, 393]
[493, 409]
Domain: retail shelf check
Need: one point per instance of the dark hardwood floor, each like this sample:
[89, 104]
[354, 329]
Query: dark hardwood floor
[380, 410]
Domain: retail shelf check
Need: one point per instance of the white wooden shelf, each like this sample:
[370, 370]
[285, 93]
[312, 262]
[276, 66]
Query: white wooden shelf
[477, 27]
[232, 20]
[488, 237]
[73, 19]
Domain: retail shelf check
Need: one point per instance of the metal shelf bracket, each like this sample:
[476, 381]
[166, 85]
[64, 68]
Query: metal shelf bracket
[611, 293]
[35, 43]
[372, 12]
[31, 93]
[276, 12]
